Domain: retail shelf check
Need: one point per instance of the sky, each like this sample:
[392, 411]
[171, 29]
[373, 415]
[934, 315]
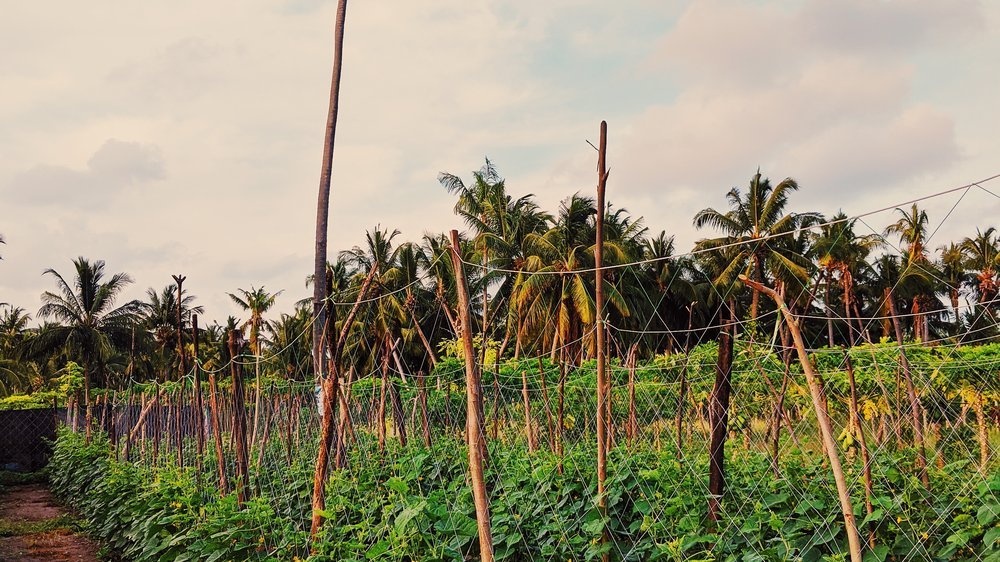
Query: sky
[186, 137]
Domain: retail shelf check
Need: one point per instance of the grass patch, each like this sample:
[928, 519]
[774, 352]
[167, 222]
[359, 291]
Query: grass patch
[10, 478]
[10, 528]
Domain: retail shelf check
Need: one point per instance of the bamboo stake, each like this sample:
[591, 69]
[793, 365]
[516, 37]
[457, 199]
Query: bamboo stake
[476, 440]
[904, 363]
[865, 459]
[602, 369]
[239, 425]
[830, 444]
[528, 432]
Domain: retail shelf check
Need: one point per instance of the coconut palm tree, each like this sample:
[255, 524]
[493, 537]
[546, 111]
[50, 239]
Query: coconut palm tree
[954, 276]
[983, 254]
[557, 297]
[754, 217]
[919, 278]
[287, 346]
[15, 372]
[161, 320]
[89, 328]
[257, 302]
[840, 252]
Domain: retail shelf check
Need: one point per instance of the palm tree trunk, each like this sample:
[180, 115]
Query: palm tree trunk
[323, 200]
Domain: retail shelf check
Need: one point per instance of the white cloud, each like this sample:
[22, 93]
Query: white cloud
[230, 99]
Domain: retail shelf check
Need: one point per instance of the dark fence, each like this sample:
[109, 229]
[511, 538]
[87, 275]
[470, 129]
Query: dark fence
[26, 437]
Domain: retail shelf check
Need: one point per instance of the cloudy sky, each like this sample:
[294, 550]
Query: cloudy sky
[186, 137]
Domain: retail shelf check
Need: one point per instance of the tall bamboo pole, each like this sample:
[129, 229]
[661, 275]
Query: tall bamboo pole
[475, 437]
[602, 370]
[178, 417]
[826, 430]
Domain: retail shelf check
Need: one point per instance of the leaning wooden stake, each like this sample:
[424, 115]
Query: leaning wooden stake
[865, 459]
[829, 442]
[475, 436]
[330, 386]
[213, 404]
[602, 371]
[911, 392]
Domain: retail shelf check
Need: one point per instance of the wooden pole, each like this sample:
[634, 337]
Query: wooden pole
[213, 404]
[718, 405]
[865, 459]
[198, 404]
[826, 430]
[179, 427]
[904, 363]
[323, 199]
[602, 368]
[528, 431]
[475, 438]
[239, 429]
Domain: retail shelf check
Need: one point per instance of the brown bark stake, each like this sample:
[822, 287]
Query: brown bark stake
[602, 370]
[632, 429]
[918, 430]
[424, 421]
[822, 417]
[330, 383]
[198, 404]
[239, 425]
[982, 432]
[865, 459]
[213, 403]
[718, 404]
[476, 440]
[528, 432]
[548, 409]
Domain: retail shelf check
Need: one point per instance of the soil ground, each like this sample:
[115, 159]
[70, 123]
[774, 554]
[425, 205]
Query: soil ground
[34, 527]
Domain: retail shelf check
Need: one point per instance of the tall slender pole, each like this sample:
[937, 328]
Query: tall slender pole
[198, 405]
[602, 374]
[178, 417]
[323, 200]
[476, 439]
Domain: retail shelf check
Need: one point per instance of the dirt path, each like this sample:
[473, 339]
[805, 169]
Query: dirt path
[33, 527]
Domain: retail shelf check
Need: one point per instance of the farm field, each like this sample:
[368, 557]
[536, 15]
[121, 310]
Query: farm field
[755, 319]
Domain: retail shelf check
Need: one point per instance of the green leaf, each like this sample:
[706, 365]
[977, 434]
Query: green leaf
[397, 484]
[987, 514]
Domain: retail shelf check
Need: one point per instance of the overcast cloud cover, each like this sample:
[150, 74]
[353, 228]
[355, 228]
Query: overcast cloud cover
[186, 137]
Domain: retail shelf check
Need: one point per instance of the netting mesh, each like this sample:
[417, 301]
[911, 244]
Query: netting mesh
[922, 476]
